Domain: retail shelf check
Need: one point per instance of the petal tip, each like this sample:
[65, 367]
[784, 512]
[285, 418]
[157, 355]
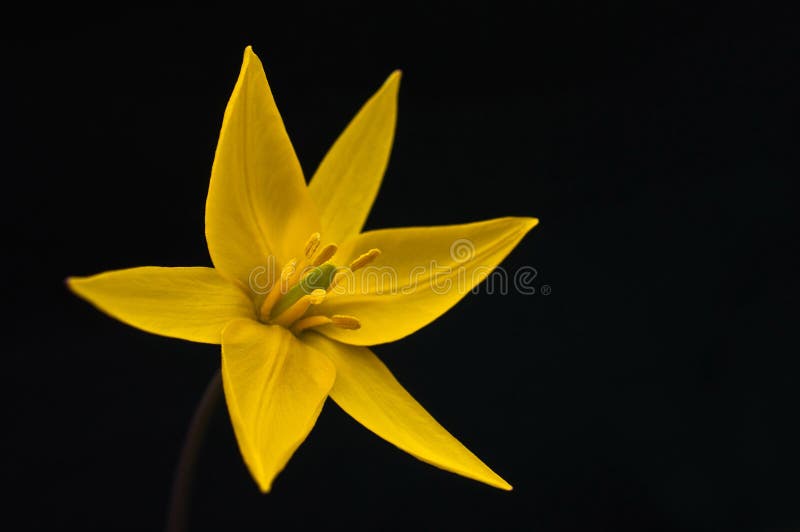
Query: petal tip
[526, 223]
[249, 57]
[73, 284]
[264, 487]
[496, 481]
[391, 86]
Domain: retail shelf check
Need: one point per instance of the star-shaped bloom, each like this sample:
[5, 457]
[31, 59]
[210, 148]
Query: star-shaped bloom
[295, 312]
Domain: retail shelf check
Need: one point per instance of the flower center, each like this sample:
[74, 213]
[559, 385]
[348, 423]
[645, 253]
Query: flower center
[304, 283]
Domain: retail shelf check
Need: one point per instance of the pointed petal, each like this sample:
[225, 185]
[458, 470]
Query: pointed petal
[258, 203]
[420, 273]
[366, 389]
[189, 303]
[275, 387]
[349, 176]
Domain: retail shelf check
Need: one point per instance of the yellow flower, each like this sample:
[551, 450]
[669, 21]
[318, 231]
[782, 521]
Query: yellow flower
[294, 327]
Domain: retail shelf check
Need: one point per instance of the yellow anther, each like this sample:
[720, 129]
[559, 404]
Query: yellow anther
[345, 322]
[337, 320]
[325, 254]
[312, 245]
[277, 290]
[296, 311]
[308, 322]
[365, 259]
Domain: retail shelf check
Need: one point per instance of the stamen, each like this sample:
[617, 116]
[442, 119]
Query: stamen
[288, 269]
[307, 282]
[296, 311]
[308, 322]
[337, 278]
[277, 288]
[337, 320]
[318, 278]
[325, 254]
[345, 322]
[312, 245]
[365, 259]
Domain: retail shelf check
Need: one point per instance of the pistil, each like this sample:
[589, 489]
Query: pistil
[318, 278]
[299, 307]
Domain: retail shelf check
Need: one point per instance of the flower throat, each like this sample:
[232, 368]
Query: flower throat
[305, 283]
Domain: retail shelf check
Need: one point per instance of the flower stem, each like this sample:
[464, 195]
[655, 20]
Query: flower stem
[182, 484]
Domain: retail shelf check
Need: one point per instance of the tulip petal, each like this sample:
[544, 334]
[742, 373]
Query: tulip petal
[420, 273]
[190, 303]
[347, 180]
[275, 387]
[366, 390]
[258, 203]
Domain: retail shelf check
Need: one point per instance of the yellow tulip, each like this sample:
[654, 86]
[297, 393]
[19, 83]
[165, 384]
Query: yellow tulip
[291, 297]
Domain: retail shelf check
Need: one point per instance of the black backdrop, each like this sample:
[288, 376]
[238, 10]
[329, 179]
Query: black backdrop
[652, 389]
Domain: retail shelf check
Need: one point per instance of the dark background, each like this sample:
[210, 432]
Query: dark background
[653, 389]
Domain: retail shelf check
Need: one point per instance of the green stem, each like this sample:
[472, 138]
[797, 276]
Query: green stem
[182, 484]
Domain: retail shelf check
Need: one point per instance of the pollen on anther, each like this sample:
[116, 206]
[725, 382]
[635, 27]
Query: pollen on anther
[325, 254]
[365, 259]
[312, 245]
[345, 322]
